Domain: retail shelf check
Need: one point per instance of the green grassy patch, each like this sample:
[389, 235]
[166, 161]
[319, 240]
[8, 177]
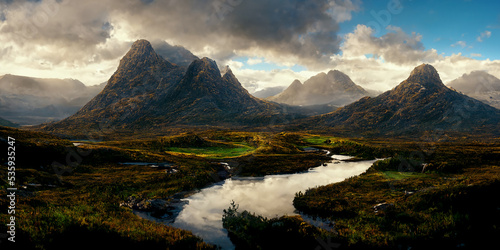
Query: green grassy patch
[317, 139]
[402, 175]
[214, 152]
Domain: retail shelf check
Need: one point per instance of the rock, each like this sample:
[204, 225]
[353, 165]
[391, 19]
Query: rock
[408, 193]
[382, 207]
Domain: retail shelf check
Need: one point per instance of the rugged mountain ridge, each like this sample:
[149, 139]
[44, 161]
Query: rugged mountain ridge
[335, 88]
[203, 97]
[148, 92]
[420, 103]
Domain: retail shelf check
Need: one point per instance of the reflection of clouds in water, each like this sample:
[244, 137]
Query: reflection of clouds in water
[269, 196]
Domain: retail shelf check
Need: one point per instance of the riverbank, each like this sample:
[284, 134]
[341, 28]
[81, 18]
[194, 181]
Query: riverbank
[446, 201]
[70, 191]
[81, 197]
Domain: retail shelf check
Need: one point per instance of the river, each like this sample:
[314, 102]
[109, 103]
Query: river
[268, 196]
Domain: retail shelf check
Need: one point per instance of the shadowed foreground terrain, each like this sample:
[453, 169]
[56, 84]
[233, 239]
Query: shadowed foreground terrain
[439, 193]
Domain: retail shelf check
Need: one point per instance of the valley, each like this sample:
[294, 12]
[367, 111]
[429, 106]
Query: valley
[428, 185]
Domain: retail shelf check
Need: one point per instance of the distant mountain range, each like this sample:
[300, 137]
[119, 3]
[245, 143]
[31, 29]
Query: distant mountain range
[268, 92]
[420, 103]
[479, 85]
[334, 88]
[7, 123]
[149, 92]
[29, 100]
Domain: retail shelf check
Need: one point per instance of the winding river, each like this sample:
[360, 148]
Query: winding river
[268, 196]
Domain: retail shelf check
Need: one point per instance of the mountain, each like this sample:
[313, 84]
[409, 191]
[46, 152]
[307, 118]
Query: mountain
[142, 76]
[6, 123]
[420, 103]
[334, 88]
[479, 85]
[23, 98]
[148, 92]
[268, 92]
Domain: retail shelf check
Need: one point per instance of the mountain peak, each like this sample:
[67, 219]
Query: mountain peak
[209, 62]
[296, 83]
[141, 55]
[204, 66]
[141, 45]
[424, 72]
[336, 72]
[227, 74]
[140, 49]
[340, 77]
[226, 70]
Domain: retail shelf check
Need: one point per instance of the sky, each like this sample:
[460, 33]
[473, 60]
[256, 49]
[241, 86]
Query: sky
[266, 43]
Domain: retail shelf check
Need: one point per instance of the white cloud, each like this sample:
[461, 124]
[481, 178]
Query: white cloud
[485, 34]
[395, 56]
[475, 55]
[253, 61]
[396, 46]
[459, 44]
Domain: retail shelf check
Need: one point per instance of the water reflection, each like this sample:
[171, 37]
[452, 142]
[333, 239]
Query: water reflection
[268, 196]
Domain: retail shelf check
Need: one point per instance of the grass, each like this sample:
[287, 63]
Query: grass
[317, 139]
[435, 207]
[403, 175]
[450, 203]
[84, 196]
[216, 153]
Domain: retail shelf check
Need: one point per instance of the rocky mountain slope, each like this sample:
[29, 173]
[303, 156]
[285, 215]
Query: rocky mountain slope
[148, 92]
[334, 88]
[420, 103]
[479, 85]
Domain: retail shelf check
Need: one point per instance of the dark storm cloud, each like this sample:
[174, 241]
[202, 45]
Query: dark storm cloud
[80, 30]
[305, 29]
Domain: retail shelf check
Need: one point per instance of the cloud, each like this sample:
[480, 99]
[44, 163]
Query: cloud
[396, 46]
[86, 39]
[459, 44]
[475, 55]
[395, 55]
[485, 34]
[253, 61]
[70, 34]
